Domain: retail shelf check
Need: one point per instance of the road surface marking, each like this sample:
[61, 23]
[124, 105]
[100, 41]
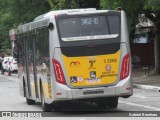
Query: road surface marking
[138, 105]
[138, 96]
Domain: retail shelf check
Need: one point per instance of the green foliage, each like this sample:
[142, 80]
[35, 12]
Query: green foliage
[27, 10]
[110, 4]
[89, 4]
[152, 8]
[70, 4]
[152, 5]
[15, 12]
[4, 24]
[132, 8]
[62, 4]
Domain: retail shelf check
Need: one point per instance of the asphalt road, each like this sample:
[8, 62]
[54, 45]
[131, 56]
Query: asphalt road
[142, 100]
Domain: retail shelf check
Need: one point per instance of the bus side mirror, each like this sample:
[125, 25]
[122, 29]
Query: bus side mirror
[51, 26]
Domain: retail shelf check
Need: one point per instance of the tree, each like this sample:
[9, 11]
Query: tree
[27, 10]
[5, 23]
[62, 4]
[152, 8]
[89, 4]
[132, 8]
[15, 12]
[70, 4]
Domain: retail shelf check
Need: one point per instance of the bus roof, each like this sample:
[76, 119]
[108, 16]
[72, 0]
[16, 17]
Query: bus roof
[67, 11]
[43, 20]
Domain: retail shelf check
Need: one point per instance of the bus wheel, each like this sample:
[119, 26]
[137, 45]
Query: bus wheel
[29, 101]
[57, 107]
[110, 103]
[46, 107]
[101, 105]
[113, 103]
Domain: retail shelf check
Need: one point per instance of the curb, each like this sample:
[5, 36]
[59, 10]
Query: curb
[147, 87]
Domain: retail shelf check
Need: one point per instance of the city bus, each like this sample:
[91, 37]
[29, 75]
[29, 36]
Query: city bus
[78, 55]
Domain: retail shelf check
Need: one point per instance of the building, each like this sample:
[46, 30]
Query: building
[142, 46]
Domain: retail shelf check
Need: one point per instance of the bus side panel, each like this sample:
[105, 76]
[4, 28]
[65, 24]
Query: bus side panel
[21, 83]
[57, 87]
[124, 87]
[21, 65]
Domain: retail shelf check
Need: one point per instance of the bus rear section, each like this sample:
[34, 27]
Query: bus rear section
[92, 62]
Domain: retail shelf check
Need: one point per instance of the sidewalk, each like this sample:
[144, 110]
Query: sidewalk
[13, 77]
[148, 81]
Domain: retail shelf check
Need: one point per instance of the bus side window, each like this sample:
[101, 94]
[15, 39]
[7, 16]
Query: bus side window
[114, 24]
[15, 49]
[42, 48]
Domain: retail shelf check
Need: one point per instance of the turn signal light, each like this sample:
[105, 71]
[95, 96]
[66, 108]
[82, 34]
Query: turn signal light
[125, 67]
[58, 72]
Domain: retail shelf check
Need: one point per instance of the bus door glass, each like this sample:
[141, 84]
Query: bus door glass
[42, 58]
[27, 79]
[34, 65]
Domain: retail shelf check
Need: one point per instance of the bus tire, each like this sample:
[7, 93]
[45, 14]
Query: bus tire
[29, 101]
[45, 107]
[113, 103]
[102, 105]
[57, 107]
[110, 103]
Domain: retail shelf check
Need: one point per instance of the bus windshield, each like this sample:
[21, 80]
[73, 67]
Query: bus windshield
[89, 28]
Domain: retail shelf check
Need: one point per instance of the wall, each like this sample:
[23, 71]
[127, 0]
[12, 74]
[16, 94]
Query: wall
[145, 52]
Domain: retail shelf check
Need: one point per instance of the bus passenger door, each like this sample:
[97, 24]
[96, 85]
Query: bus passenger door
[31, 67]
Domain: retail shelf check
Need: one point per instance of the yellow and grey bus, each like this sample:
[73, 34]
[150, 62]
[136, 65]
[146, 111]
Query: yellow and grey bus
[75, 55]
